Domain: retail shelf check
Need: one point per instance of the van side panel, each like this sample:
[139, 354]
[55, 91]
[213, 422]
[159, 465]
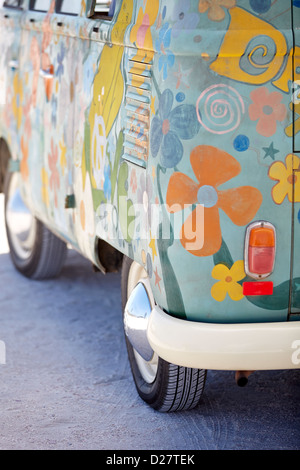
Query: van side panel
[98, 139]
[33, 126]
[11, 92]
[165, 131]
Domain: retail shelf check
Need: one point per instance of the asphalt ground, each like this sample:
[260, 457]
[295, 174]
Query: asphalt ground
[66, 383]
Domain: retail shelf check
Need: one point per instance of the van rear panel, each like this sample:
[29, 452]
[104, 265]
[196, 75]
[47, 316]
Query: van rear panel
[295, 268]
[221, 138]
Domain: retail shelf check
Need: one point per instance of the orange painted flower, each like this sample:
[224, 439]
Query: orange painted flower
[17, 101]
[215, 8]
[212, 167]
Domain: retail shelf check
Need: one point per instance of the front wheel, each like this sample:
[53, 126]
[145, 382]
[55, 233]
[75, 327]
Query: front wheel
[165, 387]
[35, 251]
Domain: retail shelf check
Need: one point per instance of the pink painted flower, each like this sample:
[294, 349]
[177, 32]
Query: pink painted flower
[26, 111]
[133, 181]
[267, 109]
[141, 31]
[54, 181]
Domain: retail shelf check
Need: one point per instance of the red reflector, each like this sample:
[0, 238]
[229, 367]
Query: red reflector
[261, 259]
[258, 288]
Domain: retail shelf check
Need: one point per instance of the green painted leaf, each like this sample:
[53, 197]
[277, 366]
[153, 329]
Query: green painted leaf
[223, 256]
[114, 172]
[125, 205]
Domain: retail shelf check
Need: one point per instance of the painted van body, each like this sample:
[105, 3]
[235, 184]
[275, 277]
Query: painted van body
[165, 130]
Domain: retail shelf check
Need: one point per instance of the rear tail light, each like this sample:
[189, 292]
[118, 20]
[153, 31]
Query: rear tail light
[260, 249]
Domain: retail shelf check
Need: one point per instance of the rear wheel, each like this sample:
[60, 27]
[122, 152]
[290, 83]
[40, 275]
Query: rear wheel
[165, 387]
[35, 251]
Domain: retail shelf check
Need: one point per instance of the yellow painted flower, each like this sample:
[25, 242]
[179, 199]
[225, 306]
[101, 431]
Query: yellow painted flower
[228, 281]
[83, 7]
[108, 87]
[294, 127]
[284, 174]
[45, 186]
[17, 100]
[63, 159]
[152, 105]
[215, 8]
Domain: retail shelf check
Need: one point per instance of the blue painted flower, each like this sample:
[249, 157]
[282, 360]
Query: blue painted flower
[89, 73]
[166, 58]
[183, 19]
[54, 110]
[107, 182]
[169, 126]
[144, 195]
[260, 6]
[241, 143]
[60, 59]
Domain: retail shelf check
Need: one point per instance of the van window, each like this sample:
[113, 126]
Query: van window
[68, 7]
[40, 5]
[105, 7]
[13, 3]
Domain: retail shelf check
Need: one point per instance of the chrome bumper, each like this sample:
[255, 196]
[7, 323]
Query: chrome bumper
[257, 346]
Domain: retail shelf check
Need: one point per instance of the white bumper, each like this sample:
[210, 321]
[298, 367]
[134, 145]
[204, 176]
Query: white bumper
[256, 346]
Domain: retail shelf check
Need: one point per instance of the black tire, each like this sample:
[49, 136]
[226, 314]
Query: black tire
[174, 388]
[43, 258]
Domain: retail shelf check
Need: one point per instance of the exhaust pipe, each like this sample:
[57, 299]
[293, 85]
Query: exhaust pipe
[241, 377]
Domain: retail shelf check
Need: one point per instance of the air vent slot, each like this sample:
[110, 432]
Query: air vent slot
[138, 101]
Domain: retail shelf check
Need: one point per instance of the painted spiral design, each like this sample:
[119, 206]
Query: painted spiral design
[220, 109]
[259, 55]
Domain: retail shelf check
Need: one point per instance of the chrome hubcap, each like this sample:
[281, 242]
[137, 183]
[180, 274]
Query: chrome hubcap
[20, 222]
[148, 369]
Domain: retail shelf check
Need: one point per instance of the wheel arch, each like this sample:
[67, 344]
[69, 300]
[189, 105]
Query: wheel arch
[108, 257]
[5, 156]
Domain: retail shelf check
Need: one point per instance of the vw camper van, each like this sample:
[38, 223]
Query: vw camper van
[162, 138]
